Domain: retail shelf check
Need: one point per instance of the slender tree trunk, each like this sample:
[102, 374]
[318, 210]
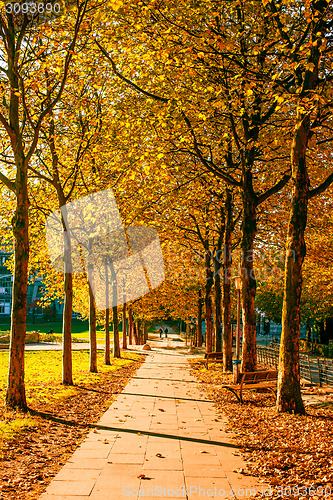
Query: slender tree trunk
[289, 397]
[226, 297]
[130, 326]
[138, 332]
[116, 346]
[67, 370]
[107, 358]
[199, 319]
[92, 333]
[145, 331]
[124, 327]
[208, 302]
[218, 308]
[135, 333]
[15, 396]
[249, 353]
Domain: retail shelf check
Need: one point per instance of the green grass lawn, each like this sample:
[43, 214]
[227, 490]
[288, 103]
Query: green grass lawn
[80, 330]
[43, 383]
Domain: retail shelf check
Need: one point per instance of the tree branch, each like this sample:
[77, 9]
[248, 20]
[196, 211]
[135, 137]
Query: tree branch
[7, 182]
[206, 163]
[274, 189]
[126, 80]
[321, 188]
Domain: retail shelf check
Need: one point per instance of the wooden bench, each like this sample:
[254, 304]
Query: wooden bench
[265, 379]
[213, 356]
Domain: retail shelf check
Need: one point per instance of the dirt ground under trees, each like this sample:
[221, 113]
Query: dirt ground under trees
[292, 453]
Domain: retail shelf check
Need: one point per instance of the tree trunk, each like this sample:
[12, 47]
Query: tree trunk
[15, 396]
[124, 327]
[226, 300]
[67, 370]
[249, 353]
[107, 358]
[135, 333]
[208, 302]
[138, 332]
[145, 331]
[116, 346]
[199, 319]
[187, 334]
[92, 333]
[218, 311]
[130, 326]
[289, 397]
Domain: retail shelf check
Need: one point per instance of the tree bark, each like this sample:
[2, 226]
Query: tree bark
[199, 319]
[124, 327]
[92, 333]
[218, 309]
[226, 299]
[116, 346]
[135, 333]
[208, 302]
[145, 331]
[139, 332]
[130, 326]
[15, 396]
[107, 357]
[67, 370]
[249, 352]
[289, 397]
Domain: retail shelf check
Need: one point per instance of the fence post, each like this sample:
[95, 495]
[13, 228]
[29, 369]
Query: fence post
[319, 372]
[310, 374]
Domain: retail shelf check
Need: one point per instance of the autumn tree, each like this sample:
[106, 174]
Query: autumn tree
[24, 108]
[209, 107]
[302, 47]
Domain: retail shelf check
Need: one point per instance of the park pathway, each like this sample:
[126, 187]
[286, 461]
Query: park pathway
[160, 438]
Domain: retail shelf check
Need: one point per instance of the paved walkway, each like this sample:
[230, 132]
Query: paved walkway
[159, 439]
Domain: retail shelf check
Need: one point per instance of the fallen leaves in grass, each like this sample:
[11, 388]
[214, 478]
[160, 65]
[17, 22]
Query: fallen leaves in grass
[282, 449]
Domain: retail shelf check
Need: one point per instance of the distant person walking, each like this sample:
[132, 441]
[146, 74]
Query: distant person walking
[160, 331]
[166, 332]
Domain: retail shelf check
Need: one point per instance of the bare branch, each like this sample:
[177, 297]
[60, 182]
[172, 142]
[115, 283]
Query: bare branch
[321, 188]
[274, 189]
[126, 80]
[7, 182]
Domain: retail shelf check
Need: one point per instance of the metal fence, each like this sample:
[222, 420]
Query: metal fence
[315, 370]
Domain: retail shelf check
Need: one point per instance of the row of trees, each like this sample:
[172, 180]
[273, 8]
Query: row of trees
[198, 116]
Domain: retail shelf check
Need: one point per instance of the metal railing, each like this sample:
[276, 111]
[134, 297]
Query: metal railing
[313, 369]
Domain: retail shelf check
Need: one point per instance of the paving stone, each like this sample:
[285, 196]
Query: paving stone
[71, 487]
[69, 474]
